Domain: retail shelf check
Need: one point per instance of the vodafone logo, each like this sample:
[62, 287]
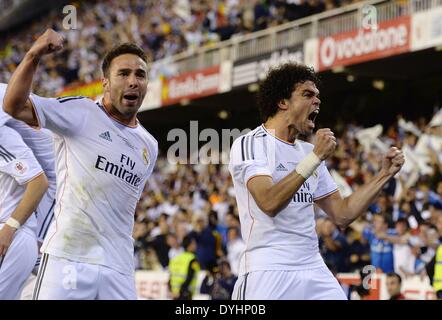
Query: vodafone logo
[364, 45]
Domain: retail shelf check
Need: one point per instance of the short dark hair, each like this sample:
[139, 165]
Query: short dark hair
[119, 50]
[394, 275]
[187, 240]
[404, 221]
[279, 84]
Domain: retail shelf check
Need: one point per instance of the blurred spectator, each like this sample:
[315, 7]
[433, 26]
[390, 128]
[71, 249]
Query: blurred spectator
[235, 248]
[209, 280]
[381, 250]
[140, 233]
[174, 245]
[333, 246]
[208, 239]
[219, 281]
[224, 282]
[394, 284]
[424, 246]
[404, 260]
[358, 252]
[159, 243]
[184, 269]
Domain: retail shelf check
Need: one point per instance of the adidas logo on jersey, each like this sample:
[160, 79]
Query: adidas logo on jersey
[281, 167]
[106, 136]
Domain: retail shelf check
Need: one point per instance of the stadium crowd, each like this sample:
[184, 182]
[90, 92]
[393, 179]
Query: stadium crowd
[163, 28]
[400, 232]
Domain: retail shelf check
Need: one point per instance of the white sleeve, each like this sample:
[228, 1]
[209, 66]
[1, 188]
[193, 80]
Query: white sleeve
[326, 184]
[64, 116]
[16, 159]
[4, 117]
[153, 159]
[248, 159]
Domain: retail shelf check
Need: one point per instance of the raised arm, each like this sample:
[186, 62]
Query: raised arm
[343, 211]
[16, 101]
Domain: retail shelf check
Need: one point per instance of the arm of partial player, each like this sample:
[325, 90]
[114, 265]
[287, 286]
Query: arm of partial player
[35, 189]
[16, 100]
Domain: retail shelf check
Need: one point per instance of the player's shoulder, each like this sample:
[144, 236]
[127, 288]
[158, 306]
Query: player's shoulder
[77, 100]
[249, 146]
[11, 144]
[7, 134]
[306, 146]
[148, 137]
[256, 134]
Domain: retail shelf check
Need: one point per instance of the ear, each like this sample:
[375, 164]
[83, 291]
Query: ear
[283, 104]
[105, 82]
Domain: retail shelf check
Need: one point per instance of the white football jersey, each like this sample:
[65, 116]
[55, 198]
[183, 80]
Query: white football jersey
[287, 241]
[101, 167]
[18, 166]
[41, 143]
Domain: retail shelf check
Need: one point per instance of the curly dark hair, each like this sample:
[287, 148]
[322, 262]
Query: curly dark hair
[119, 50]
[279, 84]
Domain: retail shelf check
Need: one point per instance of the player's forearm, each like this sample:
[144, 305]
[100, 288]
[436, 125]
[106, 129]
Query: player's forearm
[352, 207]
[279, 195]
[20, 84]
[35, 189]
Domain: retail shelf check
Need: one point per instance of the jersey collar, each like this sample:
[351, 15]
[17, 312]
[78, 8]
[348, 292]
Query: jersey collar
[283, 141]
[99, 103]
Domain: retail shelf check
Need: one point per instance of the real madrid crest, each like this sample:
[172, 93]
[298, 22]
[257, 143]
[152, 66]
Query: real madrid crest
[145, 157]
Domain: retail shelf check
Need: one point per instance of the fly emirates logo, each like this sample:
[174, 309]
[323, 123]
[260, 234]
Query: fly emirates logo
[122, 170]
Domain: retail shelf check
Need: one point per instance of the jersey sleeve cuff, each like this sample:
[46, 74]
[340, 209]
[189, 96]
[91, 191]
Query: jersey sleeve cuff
[326, 194]
[253, 172]
[29, 177]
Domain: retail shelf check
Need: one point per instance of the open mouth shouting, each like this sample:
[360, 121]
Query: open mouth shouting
[312, 117]
[131, 98]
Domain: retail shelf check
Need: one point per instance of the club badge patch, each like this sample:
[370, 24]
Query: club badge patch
[20, 167]
[145, 157]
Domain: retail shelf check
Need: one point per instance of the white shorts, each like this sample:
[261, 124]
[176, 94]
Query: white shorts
[312, 284]
[62, 279]
[28, 287]
[17, 264]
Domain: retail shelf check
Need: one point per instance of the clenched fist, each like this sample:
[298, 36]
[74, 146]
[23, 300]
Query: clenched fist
[325, 143]
[48, 42]
[393, 161]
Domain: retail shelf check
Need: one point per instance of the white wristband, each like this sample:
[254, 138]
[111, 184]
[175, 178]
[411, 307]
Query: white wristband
[307, 165]
[13, 223]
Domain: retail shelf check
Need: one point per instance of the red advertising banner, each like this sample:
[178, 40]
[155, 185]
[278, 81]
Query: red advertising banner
[191, 85]
[91, 90]
[386, 39]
